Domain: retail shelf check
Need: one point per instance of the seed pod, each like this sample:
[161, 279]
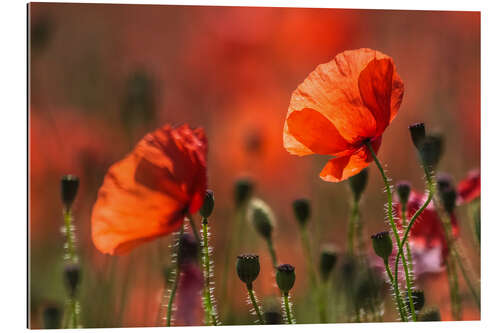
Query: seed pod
[248, 268]
[285, 277]
[72, 274]
[69, 188]
[382, 244]
[262, 217]
[208, 204]
[302, 210]
[327, 261]
[417, 132]
[358, 182]
[403, 189]
[243, 189]
[431, 150]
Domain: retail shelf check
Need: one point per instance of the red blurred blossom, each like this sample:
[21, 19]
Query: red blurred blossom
[148, 193]
[469, 189]
[339, 107]
[427, 231]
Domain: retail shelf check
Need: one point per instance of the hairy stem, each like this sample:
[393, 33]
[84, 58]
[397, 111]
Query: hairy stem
[176, 281]
[288, 311]
[209, 307]
[255, 305]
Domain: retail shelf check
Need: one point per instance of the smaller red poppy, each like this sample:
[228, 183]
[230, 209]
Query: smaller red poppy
[469, 189]
[148, 193]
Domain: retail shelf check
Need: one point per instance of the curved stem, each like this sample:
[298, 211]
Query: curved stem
[255, 305]
[176, 281]
[393, 225]
[467, 279]
[289, 317]
[272, 252]
[209, 307]
[398, 299]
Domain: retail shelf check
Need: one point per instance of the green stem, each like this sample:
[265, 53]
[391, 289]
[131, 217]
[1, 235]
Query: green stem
[210, 309]
[402, 314]
[394, 229]
[70, 236]
[272, 252]
[254, 303]
[456, 307]
[409, 282]
[306, 247]
[467, 279]
[289, 317]
[176, 281]
[352, 227]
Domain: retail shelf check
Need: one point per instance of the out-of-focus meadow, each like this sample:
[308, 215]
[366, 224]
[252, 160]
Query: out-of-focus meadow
[102, 76]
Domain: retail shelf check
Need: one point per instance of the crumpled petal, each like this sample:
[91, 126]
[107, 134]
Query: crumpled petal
[148, 193]
[333, 89]
[341, 168]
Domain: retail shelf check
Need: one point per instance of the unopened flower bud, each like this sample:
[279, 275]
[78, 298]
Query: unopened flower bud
[327, 261]
[69, 188]
[382, 244]
[302, 210]
[403, 189]
[444, 181]
[358, 183]
[449, 199]
[243, 189]
[417, 132]
[72, 277]
[262, 217]
[431, 150]
[208, 204]
[418, 299]
[430, 315]
[188, 249]
[285, 277]
[248, 268]
[52, 317]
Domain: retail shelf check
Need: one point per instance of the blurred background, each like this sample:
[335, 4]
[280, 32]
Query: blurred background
[102, 76]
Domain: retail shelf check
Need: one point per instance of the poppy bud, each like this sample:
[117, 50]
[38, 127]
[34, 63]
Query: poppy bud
[52, 317]
[358, 183]
[444, 181]
[418, 299]
[273, 317]
[188, 249]
[302, 210]
[248, 268]
[430, 315]
[208, 204]
[417, 132]
[285, 277]
[261, 215]
[449, 199]
[327, 261]
[431, 150]
[382, 244]
[243, 189]
[69, 188]
[72, 277]
[403, 189]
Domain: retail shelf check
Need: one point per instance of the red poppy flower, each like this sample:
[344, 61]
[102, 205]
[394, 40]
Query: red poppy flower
[469, 188]
[427, 231]
[148, 193]
[341, 105]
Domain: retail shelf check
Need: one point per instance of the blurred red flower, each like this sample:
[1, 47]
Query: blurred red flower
[469, 188]
[427, 231]
[340, 106]
[148, 193]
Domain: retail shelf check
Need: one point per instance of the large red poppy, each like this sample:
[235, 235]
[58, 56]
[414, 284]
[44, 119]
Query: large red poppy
[341, 105]
[149, 192]
[427, 231]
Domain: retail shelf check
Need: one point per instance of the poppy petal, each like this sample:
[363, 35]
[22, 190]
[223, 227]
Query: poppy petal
[314, 131]
[148, 193]
[341, 168]
[469, 188]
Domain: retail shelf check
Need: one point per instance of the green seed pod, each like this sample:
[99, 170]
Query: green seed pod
[208, 204]
[248, 268]
[52, 317]
[285, 277]
[449, 199]
[417, 132]
[327, 261]
[358, 182]
[430, 315]
[382, 244]
[262, 217]
[69, 188]
[431, 150]
[302, 210]
[243, 189]
[403, 189]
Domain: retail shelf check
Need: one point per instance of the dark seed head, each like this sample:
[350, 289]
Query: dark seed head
[431, 150]
[285, 277]
[417, 132]
[327, 261]
[382, 244]
[403, 189]
[302, 210]
[69, 188]
[248, 268]
[72, 277]
[243, 190]
[208, 204]
[358, 183]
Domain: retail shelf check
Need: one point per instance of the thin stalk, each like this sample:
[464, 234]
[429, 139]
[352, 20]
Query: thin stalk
[408, 249]
[255, 305]
[463, 269]
[272, 252]
[176, 281]
[288, 311]
[306, 248]
[71, 256]
[402, 314]
[352, 227]
[209, 307]
[394, 229]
